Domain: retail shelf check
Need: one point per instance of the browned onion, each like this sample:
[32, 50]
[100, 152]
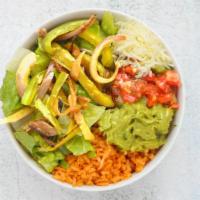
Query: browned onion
[77, 31]
[46, 83]
[42, 127]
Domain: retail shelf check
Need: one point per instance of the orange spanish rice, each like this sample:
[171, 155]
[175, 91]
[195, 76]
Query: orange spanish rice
[109, 166]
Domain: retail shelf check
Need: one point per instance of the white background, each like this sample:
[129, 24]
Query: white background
[178, 22]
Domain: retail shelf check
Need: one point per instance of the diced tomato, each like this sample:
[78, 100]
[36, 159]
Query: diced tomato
[138, 87]
[156, 88]
[151, 100]
[172, 78]
[151, 89]
[122, 76]
[174, 106]
[151, 93]
[128, 97]
[162, 84]
[165, 98]
[130, 70]
[150, 78]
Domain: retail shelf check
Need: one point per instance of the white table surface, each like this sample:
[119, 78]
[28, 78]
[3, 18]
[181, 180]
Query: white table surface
[178, 176]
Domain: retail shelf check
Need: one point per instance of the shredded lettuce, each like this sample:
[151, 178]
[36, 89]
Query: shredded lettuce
[9, 95]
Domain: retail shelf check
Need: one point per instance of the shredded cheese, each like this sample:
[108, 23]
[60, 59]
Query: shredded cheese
[142, 48]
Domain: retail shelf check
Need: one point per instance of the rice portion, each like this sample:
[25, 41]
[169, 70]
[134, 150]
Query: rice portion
[109, 166]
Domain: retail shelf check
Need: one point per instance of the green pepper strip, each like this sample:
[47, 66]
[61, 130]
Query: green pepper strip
[31, 89]
[94, 36]
[59, 30]
[56, 88]
[107, 23]
[47, 114]
[64, 58]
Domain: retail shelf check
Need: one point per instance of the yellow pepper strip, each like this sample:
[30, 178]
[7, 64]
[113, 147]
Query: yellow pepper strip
[17, 116]
[93, 64]
[73, 48]
[59, 30]
[68, 137]
[64, 58]
[62, 77]
[54, 107]
[48, 115]
[107, 59]
[95, 36]
[71, 126]
[83, 126]
[86, 63]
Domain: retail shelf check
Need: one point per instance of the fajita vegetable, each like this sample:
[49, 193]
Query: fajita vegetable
[94, 101]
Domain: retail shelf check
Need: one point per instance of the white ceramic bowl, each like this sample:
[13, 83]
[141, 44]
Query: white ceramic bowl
[151, 165]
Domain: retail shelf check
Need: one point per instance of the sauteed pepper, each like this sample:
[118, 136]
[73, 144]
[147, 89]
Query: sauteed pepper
[64, 58]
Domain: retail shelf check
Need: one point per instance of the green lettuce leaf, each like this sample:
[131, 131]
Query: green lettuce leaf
[26, 140]
[78, 145]
[50, 160]
[64, 164]
[93, 113]
[9, 95]
[32, 142]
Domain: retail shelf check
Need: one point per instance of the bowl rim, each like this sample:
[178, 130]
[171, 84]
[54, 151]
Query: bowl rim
[162, 152]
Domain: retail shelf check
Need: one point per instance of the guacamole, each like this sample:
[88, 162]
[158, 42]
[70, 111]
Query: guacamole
[135, 127]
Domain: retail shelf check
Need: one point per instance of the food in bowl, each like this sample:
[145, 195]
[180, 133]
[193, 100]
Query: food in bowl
[93, 101]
